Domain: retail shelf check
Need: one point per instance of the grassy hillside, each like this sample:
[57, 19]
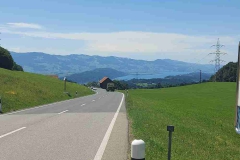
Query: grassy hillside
[203, 116]
[23, 90]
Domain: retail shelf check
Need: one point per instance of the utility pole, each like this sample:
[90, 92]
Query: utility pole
[200, 76]
[137, 79]
[217, 59]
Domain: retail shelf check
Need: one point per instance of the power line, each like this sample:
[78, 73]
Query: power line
[201, 59]
[217, 54]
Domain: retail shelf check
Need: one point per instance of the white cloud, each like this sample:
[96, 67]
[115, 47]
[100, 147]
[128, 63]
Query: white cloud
[149, 45]
[25, 25]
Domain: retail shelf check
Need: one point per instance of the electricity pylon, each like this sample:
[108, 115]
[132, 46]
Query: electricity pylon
[217, 54]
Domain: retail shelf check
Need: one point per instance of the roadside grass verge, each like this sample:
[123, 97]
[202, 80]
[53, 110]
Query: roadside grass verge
[20, 90]
[203, 116]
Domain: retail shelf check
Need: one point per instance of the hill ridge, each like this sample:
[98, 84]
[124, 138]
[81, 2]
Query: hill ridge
[45, 63]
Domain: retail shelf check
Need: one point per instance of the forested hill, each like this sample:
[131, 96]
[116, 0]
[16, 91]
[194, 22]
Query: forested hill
[227, 73]
[95, 75]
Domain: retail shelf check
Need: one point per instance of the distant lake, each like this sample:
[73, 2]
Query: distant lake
[150, 76]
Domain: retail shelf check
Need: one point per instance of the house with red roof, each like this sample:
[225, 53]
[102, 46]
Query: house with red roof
[103, 82]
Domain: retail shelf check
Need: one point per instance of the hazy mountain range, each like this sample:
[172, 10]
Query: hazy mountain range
[56, 64]
[95, 75]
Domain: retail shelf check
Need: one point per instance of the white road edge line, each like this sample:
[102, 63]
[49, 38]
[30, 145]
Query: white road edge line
[103, 145]
[63, 112]
[12, 132]
[45, 105]
[83, 104]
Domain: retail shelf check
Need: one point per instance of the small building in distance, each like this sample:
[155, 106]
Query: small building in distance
[103, 82]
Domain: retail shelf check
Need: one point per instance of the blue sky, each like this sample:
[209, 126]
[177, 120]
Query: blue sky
[177, 29]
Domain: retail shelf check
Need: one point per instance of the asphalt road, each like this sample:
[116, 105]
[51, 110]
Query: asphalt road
[88, 128]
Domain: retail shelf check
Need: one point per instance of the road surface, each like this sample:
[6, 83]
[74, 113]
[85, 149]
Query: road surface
[88, 128]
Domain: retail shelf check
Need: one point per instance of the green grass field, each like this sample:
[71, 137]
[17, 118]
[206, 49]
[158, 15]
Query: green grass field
[203, 116]
[21, 90]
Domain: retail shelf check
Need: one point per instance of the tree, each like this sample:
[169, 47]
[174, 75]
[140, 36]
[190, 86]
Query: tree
[17, 67]
[159, 85]
[227, 73]
[6, 60]
[120, 85]
[93, 84]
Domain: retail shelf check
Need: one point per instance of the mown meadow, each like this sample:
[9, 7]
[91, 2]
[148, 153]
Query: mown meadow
[203, 116]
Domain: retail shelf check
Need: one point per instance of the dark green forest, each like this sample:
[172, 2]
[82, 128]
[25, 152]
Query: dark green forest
[227, 73]
[7, 62]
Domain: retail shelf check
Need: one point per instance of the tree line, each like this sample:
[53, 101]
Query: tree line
[122, 85]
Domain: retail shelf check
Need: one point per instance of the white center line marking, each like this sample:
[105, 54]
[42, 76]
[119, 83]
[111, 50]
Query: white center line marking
[83, 104]
[103, 145]
[63, 112]
[12, 132]
[93, 100]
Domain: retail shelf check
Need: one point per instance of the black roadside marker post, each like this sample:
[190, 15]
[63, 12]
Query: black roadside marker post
[170, 129]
